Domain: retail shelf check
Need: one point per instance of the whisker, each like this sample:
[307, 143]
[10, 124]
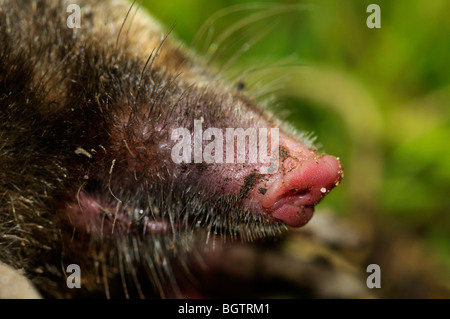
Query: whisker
[223, 13]
[132, 18]
[245, 48]
[151, 58]
[123, 23]
[105, 276]
[122, 272]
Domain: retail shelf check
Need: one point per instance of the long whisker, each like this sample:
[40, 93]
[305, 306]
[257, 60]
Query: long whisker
[270, 9]
[151, 58]
[123, 23]
[245, 48]
[132, 18]
[222, 13]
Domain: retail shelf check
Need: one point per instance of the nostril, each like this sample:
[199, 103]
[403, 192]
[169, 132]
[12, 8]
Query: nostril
[296, 192]
[304, 197]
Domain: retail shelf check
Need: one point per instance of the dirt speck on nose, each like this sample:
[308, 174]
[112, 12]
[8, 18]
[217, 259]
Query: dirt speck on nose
[249, 181]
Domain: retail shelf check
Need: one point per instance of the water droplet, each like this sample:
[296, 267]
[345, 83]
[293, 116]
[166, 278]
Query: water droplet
[323, 190]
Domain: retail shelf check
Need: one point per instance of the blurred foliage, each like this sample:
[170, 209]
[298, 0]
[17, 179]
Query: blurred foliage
[377, 98]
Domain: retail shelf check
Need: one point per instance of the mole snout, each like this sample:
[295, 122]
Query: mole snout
[291, 195]
[124, 154]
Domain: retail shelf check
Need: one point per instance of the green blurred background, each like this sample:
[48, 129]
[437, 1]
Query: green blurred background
[377, 98]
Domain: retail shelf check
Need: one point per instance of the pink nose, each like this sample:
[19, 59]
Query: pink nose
[292, 196]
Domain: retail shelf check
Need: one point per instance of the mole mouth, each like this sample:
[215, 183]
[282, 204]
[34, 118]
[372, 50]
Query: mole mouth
[293, 214]
[294, 208]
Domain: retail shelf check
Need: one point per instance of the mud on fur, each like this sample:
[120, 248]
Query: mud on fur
[86, 175]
